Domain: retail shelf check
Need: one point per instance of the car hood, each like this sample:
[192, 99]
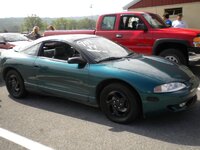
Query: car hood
[154, 67]
[182, 31]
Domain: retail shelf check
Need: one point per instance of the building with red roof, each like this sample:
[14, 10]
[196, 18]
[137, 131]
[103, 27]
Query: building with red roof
[189, 8]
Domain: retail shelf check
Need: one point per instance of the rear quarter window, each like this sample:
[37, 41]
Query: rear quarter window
[108, 23]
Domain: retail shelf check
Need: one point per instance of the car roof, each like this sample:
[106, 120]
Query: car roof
[129, 12]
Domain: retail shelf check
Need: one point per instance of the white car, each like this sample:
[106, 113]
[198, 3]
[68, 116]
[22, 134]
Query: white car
[10, 40]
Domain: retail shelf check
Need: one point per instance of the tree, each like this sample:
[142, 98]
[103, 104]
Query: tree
[31, 21]
[86, 23]
[60, 23]
[71, 24]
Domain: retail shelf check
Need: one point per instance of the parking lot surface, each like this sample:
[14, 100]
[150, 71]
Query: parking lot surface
[55, 123]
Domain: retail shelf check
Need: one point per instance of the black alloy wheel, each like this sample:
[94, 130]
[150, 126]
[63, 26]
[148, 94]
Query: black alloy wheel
[15, 84]
[119, 103]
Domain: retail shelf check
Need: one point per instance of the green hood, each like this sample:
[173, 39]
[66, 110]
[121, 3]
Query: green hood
[154, 67]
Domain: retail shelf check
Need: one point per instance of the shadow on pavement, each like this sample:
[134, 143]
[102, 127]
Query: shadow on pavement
[2, 84]
[178, 128]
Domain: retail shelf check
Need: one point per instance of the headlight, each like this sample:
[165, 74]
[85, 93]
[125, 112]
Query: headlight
[169, 87]
[196, 41]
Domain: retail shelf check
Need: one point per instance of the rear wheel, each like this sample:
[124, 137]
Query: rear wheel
[175, 56]
[119, 103]
[15, 84]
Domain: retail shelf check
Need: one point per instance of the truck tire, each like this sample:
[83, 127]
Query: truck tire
[174, 55]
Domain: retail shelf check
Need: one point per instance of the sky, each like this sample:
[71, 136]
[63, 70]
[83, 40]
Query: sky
[60, 8]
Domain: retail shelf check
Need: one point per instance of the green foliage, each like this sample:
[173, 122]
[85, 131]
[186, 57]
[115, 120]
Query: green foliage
[11, 24]
[86, 24]
[71, 24]
[26, 24]
[31, 21]
[60, 23]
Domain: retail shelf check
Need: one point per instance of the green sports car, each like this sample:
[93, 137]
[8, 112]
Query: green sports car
[98, 72]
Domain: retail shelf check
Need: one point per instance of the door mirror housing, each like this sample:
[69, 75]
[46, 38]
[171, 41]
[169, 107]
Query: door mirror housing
[142, 27]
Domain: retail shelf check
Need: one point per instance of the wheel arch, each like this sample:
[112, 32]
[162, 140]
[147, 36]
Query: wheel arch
[18, 90]
[5, 71]
[162, 44]
[104, 83]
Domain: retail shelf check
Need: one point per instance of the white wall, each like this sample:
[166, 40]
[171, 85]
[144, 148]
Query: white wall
[191, 12]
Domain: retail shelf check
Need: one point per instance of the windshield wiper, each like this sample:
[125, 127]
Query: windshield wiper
[108, 59]
[130, 54]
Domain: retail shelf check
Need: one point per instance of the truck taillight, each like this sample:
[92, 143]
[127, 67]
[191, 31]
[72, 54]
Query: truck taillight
[196, 41]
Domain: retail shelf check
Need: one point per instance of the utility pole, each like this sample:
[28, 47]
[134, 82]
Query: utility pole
[91, 6]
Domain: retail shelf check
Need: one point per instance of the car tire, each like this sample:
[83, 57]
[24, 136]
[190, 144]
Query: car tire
[119, 103]
[15, 84]
[175, 56]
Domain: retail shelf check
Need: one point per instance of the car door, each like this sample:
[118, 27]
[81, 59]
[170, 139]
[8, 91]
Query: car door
[108, 27]
[132, 35]
[128, 33]
[56, 76]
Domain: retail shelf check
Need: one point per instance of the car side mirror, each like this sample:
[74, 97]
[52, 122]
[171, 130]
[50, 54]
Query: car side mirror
[76, 60]
[142, 27]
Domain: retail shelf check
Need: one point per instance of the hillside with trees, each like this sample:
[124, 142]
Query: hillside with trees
[11, 24]
[25, 25]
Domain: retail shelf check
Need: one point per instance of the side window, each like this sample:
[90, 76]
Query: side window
[130, 22]
[33, 50]
[57, 50]
[108, 23]
[48, 49]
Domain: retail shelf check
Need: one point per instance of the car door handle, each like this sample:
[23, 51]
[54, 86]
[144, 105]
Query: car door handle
[43, 68]
[118, 36]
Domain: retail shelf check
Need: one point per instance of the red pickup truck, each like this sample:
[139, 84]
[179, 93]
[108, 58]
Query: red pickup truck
[145, 33]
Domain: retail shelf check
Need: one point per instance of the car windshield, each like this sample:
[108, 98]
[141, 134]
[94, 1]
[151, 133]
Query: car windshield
[101, 49]
[155, 21]
[14, 37]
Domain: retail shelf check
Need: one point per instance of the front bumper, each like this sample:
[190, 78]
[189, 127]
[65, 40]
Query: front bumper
[183, 106]
[194, 53]
[171, 102]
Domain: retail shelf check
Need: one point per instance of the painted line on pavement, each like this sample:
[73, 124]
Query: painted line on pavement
[22, 141]
[199, 88]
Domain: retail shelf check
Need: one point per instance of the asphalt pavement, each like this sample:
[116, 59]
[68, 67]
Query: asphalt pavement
[64, 125]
